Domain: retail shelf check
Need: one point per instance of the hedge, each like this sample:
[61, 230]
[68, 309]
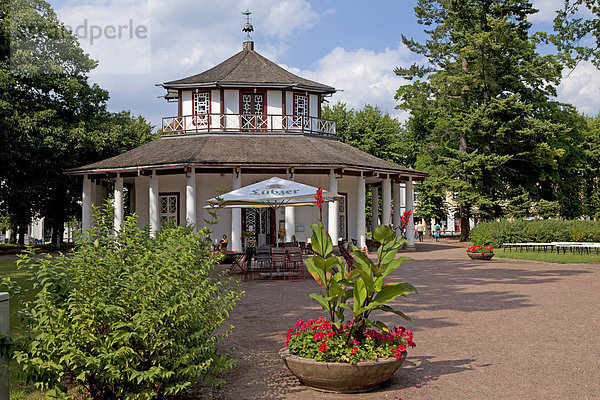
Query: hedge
[497, 232]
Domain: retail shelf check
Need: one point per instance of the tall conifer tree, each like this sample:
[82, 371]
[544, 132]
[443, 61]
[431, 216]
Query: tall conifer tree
[483, 103]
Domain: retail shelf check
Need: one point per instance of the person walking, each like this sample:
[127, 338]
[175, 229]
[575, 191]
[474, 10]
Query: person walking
[420, 230]
[438, 231]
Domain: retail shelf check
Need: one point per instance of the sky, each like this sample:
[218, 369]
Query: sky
[351, 45]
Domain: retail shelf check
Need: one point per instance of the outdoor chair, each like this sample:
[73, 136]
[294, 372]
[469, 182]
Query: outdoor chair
[296, 263]
[279, 264]
[262, 262]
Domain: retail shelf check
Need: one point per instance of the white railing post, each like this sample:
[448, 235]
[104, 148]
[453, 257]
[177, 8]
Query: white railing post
[247, 122]
[4, 330]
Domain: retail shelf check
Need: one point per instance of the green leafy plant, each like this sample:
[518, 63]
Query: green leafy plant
[126, 315]
[362, 291]
[364, 286]
[496, 233]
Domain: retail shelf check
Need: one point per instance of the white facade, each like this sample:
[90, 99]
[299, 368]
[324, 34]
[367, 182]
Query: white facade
[176, 190]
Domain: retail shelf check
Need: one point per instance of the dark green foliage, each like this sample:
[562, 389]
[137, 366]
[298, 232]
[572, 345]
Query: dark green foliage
[51, 117]
[127, 317]
[367, 129]
[482, 114]
[497, 232]
[577, 32]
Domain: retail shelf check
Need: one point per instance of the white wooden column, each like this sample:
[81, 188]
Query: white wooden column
[290, 217]
[410, 227]
[4, 330]
[236, 216]
[118, 203]
[374, 208]
[190, 198]
[332, 214]
[386, 213]
[86, 204]
[360, 213]
[153, 206]
[397, 213]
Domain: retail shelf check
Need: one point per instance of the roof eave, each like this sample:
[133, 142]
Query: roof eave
[415, 174]
[169, 85]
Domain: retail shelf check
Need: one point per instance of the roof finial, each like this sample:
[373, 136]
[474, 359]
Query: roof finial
[247, 26]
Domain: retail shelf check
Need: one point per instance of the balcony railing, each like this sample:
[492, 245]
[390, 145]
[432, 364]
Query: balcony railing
[204, 123]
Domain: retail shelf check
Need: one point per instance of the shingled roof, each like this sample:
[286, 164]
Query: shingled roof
[251, 69]
[247, 150]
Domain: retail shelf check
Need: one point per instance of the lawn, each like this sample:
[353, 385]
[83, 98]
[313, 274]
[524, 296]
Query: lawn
[549, 257]
[9, 268]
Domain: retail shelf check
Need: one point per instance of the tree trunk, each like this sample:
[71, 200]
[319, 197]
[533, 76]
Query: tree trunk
[22, 231]
[464, 223]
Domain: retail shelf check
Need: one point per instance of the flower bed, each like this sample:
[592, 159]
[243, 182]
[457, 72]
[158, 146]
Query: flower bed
[481, 249]
[319, 340]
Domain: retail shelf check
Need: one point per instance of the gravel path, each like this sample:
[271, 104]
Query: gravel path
[484, 330]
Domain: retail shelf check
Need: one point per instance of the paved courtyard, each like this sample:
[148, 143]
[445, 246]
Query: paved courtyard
[484, 330]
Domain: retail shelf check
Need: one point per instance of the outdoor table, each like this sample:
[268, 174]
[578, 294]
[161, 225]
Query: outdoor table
[237, 258]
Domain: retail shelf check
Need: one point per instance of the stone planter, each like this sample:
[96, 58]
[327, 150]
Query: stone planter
[341, 377]
[479, 256]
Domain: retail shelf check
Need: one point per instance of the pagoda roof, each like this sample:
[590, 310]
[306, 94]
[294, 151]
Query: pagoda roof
[246, 68]
[247, 150]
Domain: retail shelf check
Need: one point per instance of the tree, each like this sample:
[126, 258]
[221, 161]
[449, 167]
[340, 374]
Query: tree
[483, 103]
[372, 131]
[431, 201]
[577, 32]
[367, 129]
[51, 117]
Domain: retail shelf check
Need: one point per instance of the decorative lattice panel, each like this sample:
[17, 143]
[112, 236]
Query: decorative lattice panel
[342, 218]
[201, 108]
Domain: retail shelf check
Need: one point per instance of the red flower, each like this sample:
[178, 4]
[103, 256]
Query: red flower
[405, 218]
[323, 347]
[319, 197]
[318, 336]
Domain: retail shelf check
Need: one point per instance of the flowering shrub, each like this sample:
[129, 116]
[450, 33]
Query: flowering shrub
[405, 218]
[323, 342]
[481, 249]
[359, 291]
[281, 234]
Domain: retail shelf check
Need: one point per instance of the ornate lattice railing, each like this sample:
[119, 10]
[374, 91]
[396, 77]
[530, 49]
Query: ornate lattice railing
[204, 123]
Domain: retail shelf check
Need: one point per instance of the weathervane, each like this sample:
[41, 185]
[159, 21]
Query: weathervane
[247, 26]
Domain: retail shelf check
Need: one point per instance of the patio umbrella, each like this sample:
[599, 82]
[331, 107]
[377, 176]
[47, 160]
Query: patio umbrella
[274, 192]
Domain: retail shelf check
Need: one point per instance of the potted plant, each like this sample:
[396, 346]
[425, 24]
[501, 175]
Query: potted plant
[359, 353]
[281, 234]
[480, 252]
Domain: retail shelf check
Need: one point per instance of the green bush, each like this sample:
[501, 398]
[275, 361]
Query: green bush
[497, 232]
[127, 317]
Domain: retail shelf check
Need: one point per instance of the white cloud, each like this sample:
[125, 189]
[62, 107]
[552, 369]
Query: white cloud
[364, 76]
[547, 10]
[288, 15]
[185, 37]
[580, 87]
[119, 35]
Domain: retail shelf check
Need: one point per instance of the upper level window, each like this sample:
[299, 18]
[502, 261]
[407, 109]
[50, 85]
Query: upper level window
[201, 107]
[253, 103]
[252, 106]
[301, 119]
[300, 104]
